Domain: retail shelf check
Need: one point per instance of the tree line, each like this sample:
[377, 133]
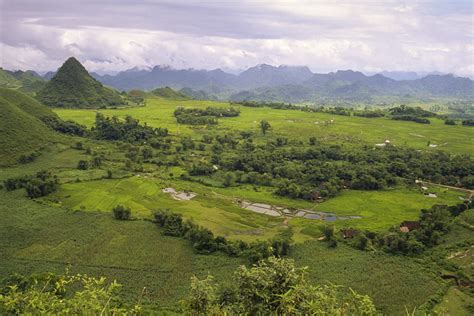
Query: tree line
[38, 185]
[207, 116]
[203, 240]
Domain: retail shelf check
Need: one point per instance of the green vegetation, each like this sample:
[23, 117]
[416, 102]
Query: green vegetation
[30, 81]
[41, 184]
[73, 87]
[21, 129]
[274, 286]
[122, 213]
[207, 116]
[131, 194]
[7, 80]
[298, 125]
[168, 93]
[61, 295]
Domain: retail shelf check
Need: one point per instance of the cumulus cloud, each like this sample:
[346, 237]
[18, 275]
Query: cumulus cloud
[325, 35]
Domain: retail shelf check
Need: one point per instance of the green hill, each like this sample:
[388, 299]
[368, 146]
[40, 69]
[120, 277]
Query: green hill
[21, 128]
[7, 80]
[29, 80]
[168, 93]
[72, 86]
[26, 103]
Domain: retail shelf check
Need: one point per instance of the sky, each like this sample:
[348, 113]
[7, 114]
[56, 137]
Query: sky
[115, 35]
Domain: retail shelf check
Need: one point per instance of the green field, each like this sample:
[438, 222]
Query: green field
[74, 226]
[36, 237]
[214, 208]
[298, 125]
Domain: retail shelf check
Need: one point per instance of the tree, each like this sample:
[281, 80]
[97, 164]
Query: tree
[229, 179]
[273, 286]
[121, 212]
[264, 126]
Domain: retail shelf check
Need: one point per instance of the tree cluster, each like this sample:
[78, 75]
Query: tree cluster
[38, 185]
[207, 116]
[412, 111]
[320, 170]
[203, 240]
[469, 122]
[65, 127]
[433, 224]
[411, 118]
[129, 130]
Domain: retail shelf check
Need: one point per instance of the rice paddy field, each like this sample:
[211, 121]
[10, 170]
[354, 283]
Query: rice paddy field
[74, 226]
[216, 208]
[36, 237]
[298, 125]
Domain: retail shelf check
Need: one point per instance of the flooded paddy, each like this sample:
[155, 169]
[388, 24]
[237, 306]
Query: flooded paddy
[276, 211]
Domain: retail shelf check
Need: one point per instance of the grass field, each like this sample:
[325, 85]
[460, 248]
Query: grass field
[298, 125]
[75, 227]
[35, 237]
[393, 282]
[215, 208]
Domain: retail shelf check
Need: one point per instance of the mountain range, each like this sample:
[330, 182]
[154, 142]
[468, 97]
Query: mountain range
[287, 84]
[290, 84]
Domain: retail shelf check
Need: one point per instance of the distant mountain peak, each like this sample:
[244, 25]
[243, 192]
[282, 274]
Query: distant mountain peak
[73, 86]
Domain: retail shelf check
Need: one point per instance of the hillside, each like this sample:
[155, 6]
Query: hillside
[72, 86]
[169, 93]
[29, 80]
[21, 130]
[7, 80]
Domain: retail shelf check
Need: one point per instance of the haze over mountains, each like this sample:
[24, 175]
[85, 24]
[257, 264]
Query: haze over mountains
[290, 84]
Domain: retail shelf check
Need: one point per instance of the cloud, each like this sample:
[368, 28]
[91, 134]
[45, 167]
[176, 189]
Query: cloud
[325, 35]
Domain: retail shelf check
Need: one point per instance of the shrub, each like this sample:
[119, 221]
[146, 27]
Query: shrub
[83, 165]
[273, 287]
[51, 294]
[450, 122]
[121, 212]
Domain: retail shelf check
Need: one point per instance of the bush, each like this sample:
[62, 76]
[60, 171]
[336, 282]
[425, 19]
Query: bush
[121, 212]
[273, 287]
[29, 157]
[469, 122]
[51, 294]
[83, 165]
[450, 122]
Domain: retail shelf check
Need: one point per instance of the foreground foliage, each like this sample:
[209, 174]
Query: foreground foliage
[274, 286]
[61, 295]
